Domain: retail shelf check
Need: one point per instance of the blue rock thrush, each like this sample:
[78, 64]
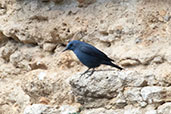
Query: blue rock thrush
[89, 55]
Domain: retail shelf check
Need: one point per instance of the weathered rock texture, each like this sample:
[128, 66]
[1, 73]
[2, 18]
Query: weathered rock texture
[36, 77]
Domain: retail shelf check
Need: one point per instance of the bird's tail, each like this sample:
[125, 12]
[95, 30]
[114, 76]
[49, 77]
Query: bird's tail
[113, 65]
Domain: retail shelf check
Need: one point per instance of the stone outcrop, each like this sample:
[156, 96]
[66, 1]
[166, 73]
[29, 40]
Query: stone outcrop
[36, 77]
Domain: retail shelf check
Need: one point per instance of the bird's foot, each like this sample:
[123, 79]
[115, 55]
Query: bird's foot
[91, 72]
[85, 72]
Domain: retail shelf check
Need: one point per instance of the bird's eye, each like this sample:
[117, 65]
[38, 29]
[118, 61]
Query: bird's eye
[71, 45]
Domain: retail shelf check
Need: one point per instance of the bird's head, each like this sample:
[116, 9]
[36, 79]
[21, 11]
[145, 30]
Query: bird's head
[72, 45]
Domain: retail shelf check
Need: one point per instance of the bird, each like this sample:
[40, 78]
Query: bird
[89, 55]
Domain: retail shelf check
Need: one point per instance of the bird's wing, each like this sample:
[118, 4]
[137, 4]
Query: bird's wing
[90, 50]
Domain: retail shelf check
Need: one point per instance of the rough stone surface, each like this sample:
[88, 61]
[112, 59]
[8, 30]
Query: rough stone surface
[40, 109]
[47, 109]
[102, 111]
[13, 99]
[46, 84]
[135, 33]
[7, 50]
[101, 85]
[165, 108]
[133, 96]
[155, 94]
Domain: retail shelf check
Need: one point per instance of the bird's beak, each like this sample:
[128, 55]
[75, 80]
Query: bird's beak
[65, 49]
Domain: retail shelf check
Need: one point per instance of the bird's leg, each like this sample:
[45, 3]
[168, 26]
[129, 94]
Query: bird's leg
[92, 72]
[85, 71]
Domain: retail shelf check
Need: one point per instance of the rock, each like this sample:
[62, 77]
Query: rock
[38, 65]
[96, 88]
[102, 85]
[42, 83]
[17, 95]
[38, 18]
[155, 94]
[133, 96]
[85, 2]
[151, 79]
[162, 12]
[7, 50]
[2, 36]
[160, 18]
[167, 54]
[15, 100]
[118, 102]
[3, 11]
[138, 40]
[44, 100]
[164, 109]
[107, 38]
[129, 62]
[158, 60]
[49, 47]
[16, 57]
[151, 112]
[47, 109]
[7, 70]
[38, 87]
[63, 31]
[146, 57]
[21, 59]
[132, 79]
[135, 33]
[163, 74]
[69, 109]
[67, 60]
[167, 18]
[109, 33]
[103, 28]
[20, 34]
[151, 94]
[102, 111]
[40, 109]
[138, 56]
[57, 1]
[132, 110]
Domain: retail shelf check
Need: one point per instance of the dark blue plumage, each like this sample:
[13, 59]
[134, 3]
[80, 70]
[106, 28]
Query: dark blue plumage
[89, 55]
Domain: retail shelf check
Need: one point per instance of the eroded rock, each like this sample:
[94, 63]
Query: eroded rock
[48, 109]
[155, 94]
[133, 96]
[13, 99]
[40, 108]
[102, 111]
[108, 84]
[41, 83]
[137, 37]
[165, 108]
[134, 79]
[7, 50]
[49, 47]
[99, 87]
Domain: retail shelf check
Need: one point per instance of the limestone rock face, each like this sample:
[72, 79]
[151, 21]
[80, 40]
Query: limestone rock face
[98, 90]
[37, 77]
[48, 85]
[164, 109]
[39, 109]
[99, 87]
[101, 84]
[47, 109]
